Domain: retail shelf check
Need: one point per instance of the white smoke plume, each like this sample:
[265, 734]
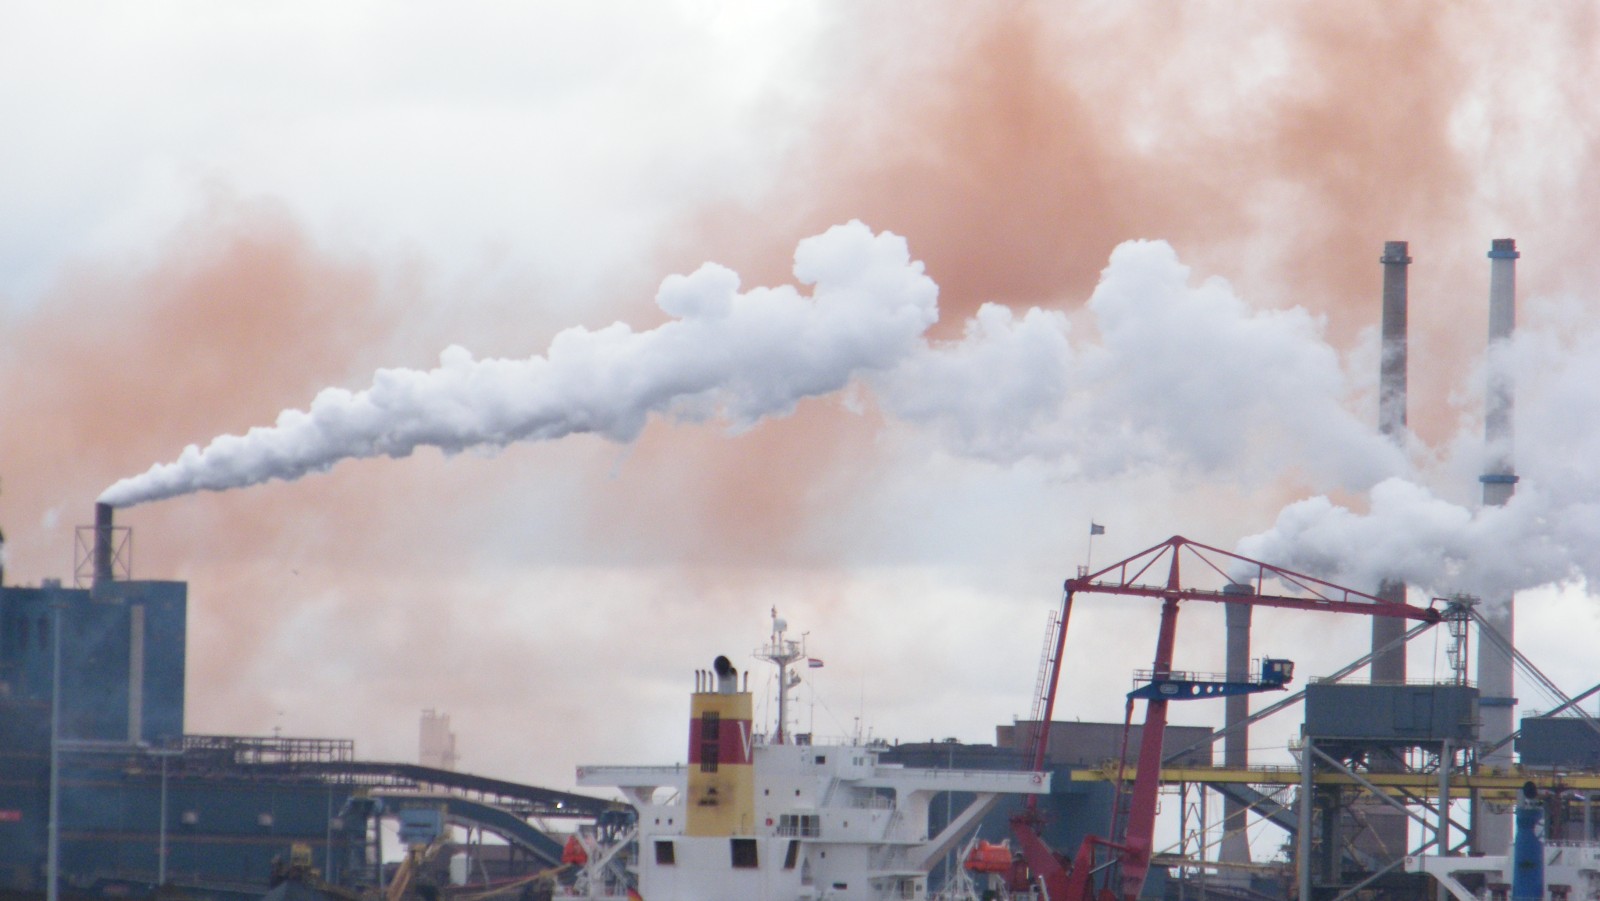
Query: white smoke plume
[1174, 375]
[1182, 375]
[1547, 534]
[738, 355]
[1177, 376]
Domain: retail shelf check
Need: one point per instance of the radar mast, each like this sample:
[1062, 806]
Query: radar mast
[781, 652]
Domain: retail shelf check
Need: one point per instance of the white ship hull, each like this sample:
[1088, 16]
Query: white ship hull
[768, 818]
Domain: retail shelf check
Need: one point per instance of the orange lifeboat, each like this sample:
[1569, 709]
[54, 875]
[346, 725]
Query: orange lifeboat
[987, 857]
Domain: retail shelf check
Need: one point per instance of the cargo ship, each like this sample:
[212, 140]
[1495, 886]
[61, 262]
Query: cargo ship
[777, 815]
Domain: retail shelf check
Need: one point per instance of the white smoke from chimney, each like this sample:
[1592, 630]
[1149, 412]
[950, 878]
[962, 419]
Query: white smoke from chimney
[1409, 533]
[1176, 376]
[1547, 534]
[1181, 376]
[740, 356]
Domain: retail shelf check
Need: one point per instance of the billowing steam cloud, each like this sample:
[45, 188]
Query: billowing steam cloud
[1549, 532]
[1182, 375]
[1410, 534]
[740, 355]
[1176, 376]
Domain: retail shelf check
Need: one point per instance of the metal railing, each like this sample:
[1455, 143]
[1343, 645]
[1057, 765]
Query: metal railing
[244, 749]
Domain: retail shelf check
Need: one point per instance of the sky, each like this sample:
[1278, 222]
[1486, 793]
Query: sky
[606, 328]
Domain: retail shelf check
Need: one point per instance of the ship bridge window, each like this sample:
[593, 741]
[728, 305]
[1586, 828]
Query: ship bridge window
[744, 853]
[666, 855]
[803, 825]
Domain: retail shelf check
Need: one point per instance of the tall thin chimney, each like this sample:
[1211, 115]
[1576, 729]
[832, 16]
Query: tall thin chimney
[1497, 700]
[1390, 666]
[1499, 479]
[103, 556]
[103, 550]
[1392, 368]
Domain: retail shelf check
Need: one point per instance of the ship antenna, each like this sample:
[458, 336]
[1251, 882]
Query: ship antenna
[781, 652]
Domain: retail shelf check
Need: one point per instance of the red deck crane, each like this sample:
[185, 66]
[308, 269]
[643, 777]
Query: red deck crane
[1244, 579]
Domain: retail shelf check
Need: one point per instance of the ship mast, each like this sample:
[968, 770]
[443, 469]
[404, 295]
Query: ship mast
[781, 652]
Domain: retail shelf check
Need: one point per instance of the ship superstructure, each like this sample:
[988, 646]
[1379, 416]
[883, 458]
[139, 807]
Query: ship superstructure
[773, 816]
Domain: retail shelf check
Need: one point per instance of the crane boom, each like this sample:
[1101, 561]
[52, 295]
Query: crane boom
[1244, 580]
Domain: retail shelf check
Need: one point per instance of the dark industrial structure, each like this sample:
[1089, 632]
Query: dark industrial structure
[139, 802]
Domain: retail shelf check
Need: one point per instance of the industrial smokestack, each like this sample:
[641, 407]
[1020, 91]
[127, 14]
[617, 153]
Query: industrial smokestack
[1392, 368]
[103, 559]
[1499, 479]
[103, 552]
[1389, 652]
[1390, 666]
[1497, 702]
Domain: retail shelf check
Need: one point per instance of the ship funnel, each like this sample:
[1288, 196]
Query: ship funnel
[727, 676]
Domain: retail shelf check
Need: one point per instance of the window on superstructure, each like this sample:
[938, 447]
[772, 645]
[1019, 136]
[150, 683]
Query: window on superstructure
[803, 825]
[666, 855]
[710, 732]
[792, 855]
[744, 853]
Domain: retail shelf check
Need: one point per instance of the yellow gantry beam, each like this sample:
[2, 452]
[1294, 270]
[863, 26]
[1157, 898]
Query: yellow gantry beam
[1506, 784]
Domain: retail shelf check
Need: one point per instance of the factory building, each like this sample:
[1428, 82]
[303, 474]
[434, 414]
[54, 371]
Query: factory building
[121, 657]
[141, 802]
[119, 647]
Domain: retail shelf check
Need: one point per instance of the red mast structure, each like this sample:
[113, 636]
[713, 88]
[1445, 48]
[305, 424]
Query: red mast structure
[1244, 579]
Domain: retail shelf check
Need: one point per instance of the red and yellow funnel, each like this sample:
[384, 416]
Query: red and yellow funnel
[721, 798]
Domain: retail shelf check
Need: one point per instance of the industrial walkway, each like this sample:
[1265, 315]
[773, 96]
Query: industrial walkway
[523, 800]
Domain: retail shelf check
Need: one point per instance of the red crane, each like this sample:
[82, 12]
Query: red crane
[1244, 578]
